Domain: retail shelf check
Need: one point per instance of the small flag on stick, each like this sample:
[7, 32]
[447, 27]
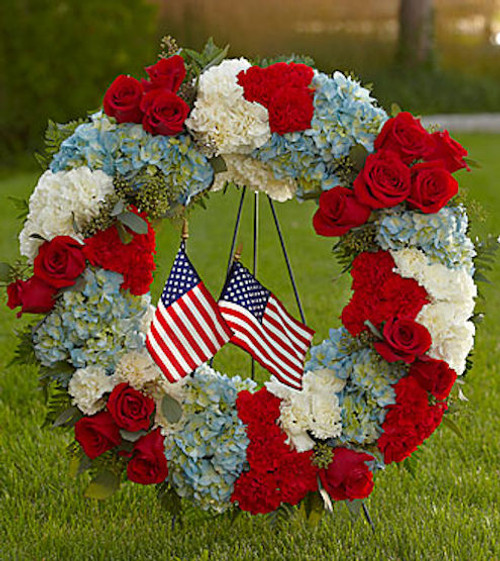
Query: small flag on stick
[187, 328]
[263, 327]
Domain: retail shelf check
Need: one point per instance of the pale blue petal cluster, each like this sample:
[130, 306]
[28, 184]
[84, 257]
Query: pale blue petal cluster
[344, 115]
[93, 326]
[207, 453]
[126, 148]
[441, 236]
[368, 389]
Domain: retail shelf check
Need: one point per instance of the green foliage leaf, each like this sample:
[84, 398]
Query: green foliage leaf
[125, 236]
[450, 423]
[55, 135]
[211, 55]
[67, 418]
[134, 222]
[169, 499]
[472, 163]
[25, 351]
[104, 484]
[5, 272]
[171, 409]
[312, 508]
[395, 109]
[22, 206]
[132, 436]
[118, 208]
[358, 155]
[218, 164]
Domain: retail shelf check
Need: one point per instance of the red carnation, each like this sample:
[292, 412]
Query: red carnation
[60, 261]
[348, 477]
[164, 113]
[384, 181]
[130, 408]
[133, 260]
[255, 84]
[448, 151]
[434, 376]
[406, 136]
[339, 211]
[122, 100]
[167, 74]
[34, 296]
[148, 464]
[431, 187]
[97, 434]
[291, 109]
[404, 339]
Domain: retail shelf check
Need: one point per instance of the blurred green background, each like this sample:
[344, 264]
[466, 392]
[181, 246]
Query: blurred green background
[57, 57]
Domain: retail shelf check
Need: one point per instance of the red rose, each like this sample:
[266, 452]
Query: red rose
[122, 100]
[35, 296]
[130, 408]
[167, 74]
[148, 464]
[449, 151]
[406, 136]
[291, 110]
[431, 187]
[404, 339]
[164, 113]
[347, 477]
[384, 181]
[434, 376]
[339, 211]
[97, 434]
[60, 261]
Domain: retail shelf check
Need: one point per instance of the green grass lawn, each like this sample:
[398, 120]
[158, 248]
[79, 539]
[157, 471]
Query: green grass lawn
[450, 510]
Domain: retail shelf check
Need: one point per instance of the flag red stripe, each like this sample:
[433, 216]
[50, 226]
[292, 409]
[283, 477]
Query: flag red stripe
[301, 331]
[276, 330]
[168, 363]
[198, 328]
[222, 328]
[212, 324]
[187, 330]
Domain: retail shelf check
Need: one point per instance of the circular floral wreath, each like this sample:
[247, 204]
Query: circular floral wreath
[372, 392]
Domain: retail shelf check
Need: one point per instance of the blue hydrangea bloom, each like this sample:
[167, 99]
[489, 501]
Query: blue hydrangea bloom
[441, 236]
[95, 326]
[126, 148]
[207, 453]
[344, 115]
[368, 389]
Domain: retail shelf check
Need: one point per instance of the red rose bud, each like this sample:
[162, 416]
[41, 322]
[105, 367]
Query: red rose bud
[347, 477]
[167, 74]
[384, 181]
[97, 434]
[431, 187]
[449, 151]
[339, 211]
[406, 136]
[60, 261]
[34, 296]
[130, 408]
[148, 464]
[291, 110]
[404, 339]
[164, 113]
[434, 376]
[122, 100]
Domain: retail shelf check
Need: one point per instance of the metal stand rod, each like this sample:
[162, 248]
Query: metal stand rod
[368, 517]
[255, 250]
[287, 260]
[236, 230]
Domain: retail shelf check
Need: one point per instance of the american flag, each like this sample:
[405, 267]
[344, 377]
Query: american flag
[187, 328]
[263, 327]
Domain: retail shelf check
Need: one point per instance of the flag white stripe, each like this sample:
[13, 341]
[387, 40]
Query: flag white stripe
[194, 329]
[259, 333]
[165, 360]
[271, 314]
[212, 314]
[285, 336]
[295, 326]
[178, 330]
[171, 345]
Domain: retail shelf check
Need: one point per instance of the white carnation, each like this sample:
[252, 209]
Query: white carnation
[245, 170]
[222, 119]
[315, 409]
[61, 200]
[87, 387]
[452, 293]
[138, 369]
